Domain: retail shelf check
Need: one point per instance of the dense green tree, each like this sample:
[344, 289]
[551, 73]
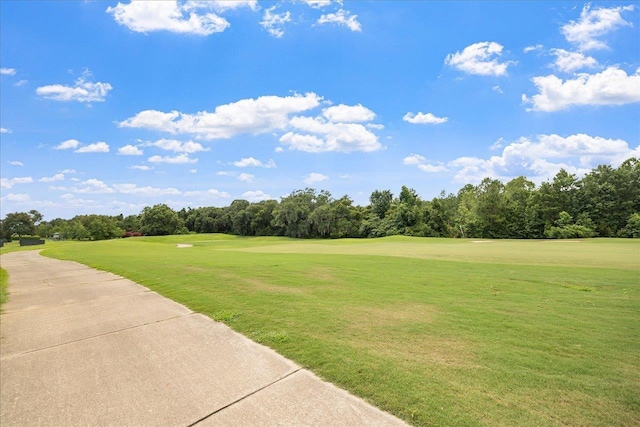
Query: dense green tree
[159, 220]
[381, 202]
[20, 223]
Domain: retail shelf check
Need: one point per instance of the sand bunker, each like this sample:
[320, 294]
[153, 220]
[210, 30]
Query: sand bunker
[183, 245]
[482, 241]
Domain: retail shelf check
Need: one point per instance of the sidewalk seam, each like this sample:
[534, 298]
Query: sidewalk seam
[11, 356]
[243, 397]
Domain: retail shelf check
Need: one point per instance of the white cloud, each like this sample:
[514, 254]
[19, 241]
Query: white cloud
[274, 22]
[188, 147]
[541, 158]
[414, 159]
[254, 116]
[5, 130]
[68, 144]
[193, 170]
[278, 149]
[479, 58]
[179, 159]
[20, 83]
[16, 163]
[316, 4]
[251, 162]
[20, 197]
[421, 118]
[56, 177]
[497, 89]
[610, 87]
[168, 15]
[348, 114]
[93, 186]
[8, 71]
[81, 91]
[9, 183]
[98, 147]
[145, 191]
[207, 194]
[341, 17]
[315, 177]
[245, 177]
[532, 48]
[423, 164]
[593, 25]
[341, 137]
[223, 5]
[255, 196]
[130, 150]
[66, 171]
[141, 167]
[224, 173]
[571, 61]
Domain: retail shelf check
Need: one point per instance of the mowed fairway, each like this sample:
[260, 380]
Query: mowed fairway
[435, 331]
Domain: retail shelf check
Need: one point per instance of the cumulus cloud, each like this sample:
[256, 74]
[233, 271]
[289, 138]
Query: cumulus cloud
[141, 167]
[542, 157]
[81, 91]
[245, 177]
[341, 17]
[176, 146]
[145, 191]
[316, 4]
[11, 197]
[130, 150]
[314, 177]
[68, 144]
[421, 118]
[93, 186]
[497, 89]
[9, 183]
[322, 136]
[532, 48]
[5, 130]
[254, 116]
[207, 194]
[8, 71]
[348, 113]
[479, 58]
[571, 61]
[16, 163]
[610, 87]
[191, 17]
[255, 196]
[423, 164]
[179, 159]
[98, 147]
[56, 177]
[274, 22]
[587, 32]
[251, 162]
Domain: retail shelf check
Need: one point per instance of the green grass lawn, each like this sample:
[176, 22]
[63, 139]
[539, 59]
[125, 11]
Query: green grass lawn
[435, 331]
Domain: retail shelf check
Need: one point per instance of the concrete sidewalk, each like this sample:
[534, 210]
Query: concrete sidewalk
[83, 347]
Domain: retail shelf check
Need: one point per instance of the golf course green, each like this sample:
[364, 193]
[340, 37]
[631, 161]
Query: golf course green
[434, 331]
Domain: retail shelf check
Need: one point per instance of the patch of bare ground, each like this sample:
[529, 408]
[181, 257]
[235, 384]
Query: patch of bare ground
[184, 245]
[390, 339]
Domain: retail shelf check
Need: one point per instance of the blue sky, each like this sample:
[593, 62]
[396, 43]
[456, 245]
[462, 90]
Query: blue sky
[108, 107]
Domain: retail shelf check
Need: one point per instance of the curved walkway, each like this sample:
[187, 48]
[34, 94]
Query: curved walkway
[83, 347]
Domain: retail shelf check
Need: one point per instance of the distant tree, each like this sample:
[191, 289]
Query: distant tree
[130, 223]
[159, 220]
[381, 202]
[36, 216]
[20, 223]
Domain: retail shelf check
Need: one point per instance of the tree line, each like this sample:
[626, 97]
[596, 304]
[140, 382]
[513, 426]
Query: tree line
[603, 203]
